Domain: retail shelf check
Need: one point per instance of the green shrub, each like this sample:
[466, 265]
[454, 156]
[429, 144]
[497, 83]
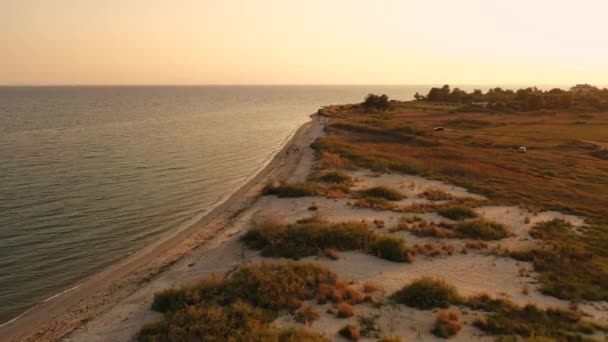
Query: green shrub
[484, 302]
[306, 238]
[382, 192]
[174, 299]
[391, 248]
[530, 321]
[436, 195]
[374, 203]
[299, 189]
[457, 212]
[555, 228]
[335, 177]
[241, 306]
[239, 321]
[481, 229]
[313, 236]
[428, 293]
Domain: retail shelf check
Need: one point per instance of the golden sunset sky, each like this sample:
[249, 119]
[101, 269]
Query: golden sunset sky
[303, 42]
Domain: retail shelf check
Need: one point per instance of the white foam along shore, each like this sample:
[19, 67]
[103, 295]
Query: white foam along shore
[58, 315]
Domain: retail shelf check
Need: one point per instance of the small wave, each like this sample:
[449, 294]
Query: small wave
[61, 293]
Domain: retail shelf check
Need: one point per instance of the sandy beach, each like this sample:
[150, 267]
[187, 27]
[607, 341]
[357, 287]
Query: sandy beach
[86, 302]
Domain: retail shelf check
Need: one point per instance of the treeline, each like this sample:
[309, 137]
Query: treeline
[583, 97]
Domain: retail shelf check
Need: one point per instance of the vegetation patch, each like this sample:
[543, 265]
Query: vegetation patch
[383, 192]
[315, 235]
[299, 189]
[486, 164]
[436, 195]
[333, 177]
[428, 293]
[457, 212]
[374, 203]
[478, 229]
[447, 323]
[481, 229]
[530, 321]
[241, 306]
[351, 332]
[391, 248]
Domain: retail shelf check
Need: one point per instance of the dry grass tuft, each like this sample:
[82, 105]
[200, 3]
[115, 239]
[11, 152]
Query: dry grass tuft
[447, 324]
[428, 293]
[345, 310]
[350, 332]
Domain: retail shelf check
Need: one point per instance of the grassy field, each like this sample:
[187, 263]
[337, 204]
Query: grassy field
[562, 170]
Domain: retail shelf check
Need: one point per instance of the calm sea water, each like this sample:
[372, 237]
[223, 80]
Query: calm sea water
[91, 174]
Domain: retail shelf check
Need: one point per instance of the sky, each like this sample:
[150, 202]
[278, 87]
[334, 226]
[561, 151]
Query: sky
[303, 42]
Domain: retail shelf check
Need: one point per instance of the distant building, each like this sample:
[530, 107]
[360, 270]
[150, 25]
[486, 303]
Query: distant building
[582, 89]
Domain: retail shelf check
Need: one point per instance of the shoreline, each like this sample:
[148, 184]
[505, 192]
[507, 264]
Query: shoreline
[70, 308]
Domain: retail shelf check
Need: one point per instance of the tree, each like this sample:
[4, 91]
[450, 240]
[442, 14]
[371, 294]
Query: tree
[379, 103]
[536, 101]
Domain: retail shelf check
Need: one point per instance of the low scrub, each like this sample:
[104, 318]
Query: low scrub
[299, 189]
[481, 229]
[333, 161]
[307, 315]
[350, 332]
[457, 212]
[551, 229]
[345, 310]
[428, 293]
[374, 203]
[436, 195]
[241, 306]
[313, 236]
[306, 238]
[384, 192]
[333, 177]
[447, 324]
[530, 321]
[391, 248]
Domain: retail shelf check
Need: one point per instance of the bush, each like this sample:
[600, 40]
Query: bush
[239, 321]
[350, 332]
[378, 103]
[447, 323]
[335, 177]
[481, 229]
[555, 228]
[529, 321]
[315, 236]
[374, 203]
[391, 248]
[382, 192]
[307, 315]
[175, 299]
[307, 238]
[436, 195]
[345, 310]
[428, 293]
[241, 306]
[457, 213]
[299, 189]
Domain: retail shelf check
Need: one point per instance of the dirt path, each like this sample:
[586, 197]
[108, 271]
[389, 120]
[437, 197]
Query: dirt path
[54, 319]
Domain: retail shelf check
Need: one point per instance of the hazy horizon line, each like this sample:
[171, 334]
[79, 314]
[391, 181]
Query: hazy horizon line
[285, 84]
